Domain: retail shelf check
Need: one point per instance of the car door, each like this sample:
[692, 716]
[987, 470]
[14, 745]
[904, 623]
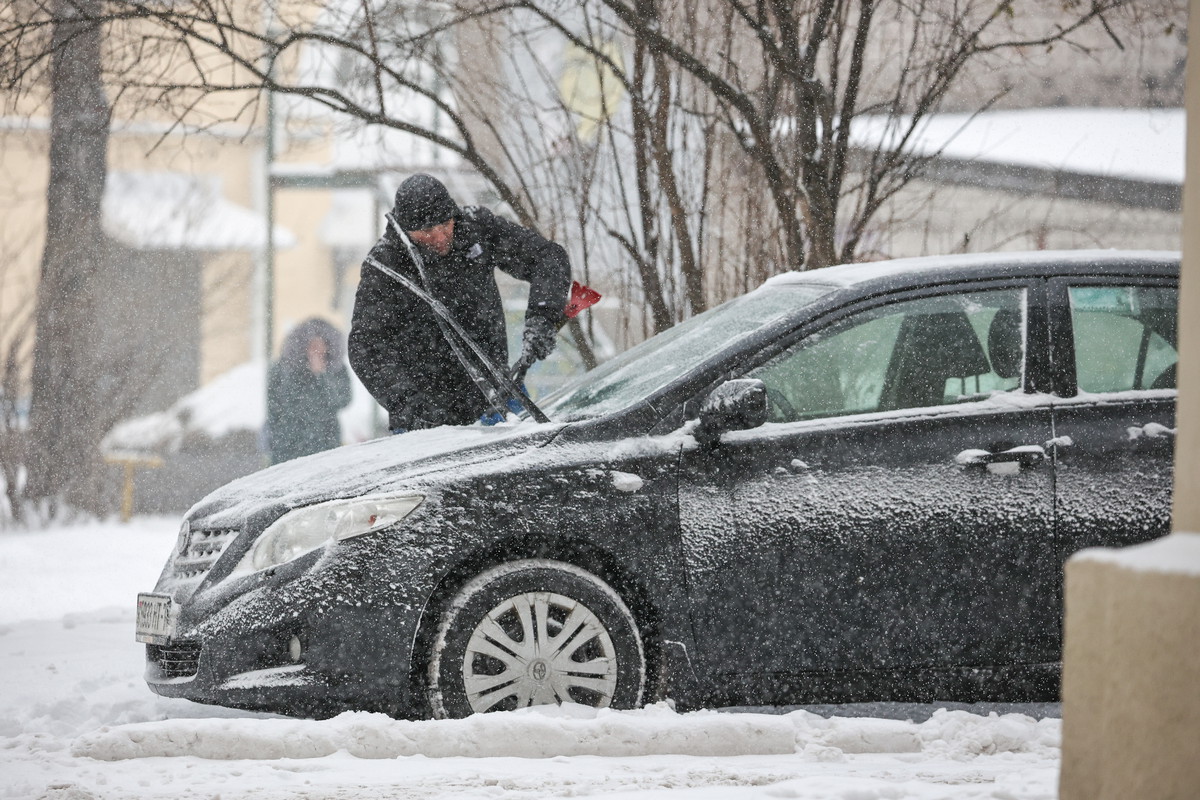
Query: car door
[1115, 426]
[897, 509]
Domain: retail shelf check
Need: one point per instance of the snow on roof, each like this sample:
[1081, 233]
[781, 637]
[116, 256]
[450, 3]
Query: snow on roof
[849, 274]
[236, 400]
[233, 401]
[1177, 554]
[1133, 143]
[171, 210]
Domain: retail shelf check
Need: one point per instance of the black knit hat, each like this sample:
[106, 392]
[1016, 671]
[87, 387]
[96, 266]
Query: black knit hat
[422, 202]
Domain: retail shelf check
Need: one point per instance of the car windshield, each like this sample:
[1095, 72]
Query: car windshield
[650, 366]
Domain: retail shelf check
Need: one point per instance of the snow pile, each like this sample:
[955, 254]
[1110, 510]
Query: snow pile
[959, 734]
[575, 731]
[626, 481]
[59, 573]
[530, 733]
[234, 401]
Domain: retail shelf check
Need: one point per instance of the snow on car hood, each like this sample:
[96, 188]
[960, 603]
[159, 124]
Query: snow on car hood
[361, 468]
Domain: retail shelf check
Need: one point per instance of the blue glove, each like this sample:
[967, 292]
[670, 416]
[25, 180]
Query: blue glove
[495, 417]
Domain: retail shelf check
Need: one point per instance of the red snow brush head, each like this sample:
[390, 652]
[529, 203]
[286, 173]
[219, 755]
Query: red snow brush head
[581, 297]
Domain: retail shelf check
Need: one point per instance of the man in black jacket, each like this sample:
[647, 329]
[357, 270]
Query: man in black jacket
[396, 345]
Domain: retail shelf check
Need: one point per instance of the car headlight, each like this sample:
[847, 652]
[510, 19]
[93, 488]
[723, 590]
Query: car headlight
[303, 530]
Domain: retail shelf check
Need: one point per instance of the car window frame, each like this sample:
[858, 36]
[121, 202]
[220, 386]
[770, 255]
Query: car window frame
[1036, 378]
[1062, 327]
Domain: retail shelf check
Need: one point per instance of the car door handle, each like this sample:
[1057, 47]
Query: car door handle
[1027, 455]
[1151, 430]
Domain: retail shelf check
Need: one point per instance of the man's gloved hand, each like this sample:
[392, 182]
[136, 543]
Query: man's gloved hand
[417, 413]
[513, 405]
[538, 340]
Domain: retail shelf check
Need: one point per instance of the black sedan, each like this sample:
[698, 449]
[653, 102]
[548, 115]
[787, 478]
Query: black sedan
[856, 483]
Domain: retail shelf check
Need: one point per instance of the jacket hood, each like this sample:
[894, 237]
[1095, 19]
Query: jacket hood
[353, 470]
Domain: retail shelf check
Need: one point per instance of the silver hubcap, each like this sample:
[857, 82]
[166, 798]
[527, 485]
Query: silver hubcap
[539, 648]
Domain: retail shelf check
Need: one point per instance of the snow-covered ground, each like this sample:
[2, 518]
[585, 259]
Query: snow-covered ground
[78, 723]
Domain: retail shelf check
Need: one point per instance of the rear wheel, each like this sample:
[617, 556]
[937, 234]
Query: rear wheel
[535, 632]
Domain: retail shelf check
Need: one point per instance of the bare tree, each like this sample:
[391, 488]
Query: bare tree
[599, 153]
[82, 376]
[66, 418]
[783, 80]
[16, 355]
[789, 77]
[13, 368]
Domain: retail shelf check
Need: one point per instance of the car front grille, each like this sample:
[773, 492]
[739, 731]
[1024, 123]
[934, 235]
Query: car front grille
[196, 552]
[201, 551]
[176, 660]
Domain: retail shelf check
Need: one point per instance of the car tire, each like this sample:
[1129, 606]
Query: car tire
[535, 632]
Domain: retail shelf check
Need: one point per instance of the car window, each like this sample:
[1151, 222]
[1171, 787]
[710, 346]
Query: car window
[1125, 337]
[660, 360]
[911, 354]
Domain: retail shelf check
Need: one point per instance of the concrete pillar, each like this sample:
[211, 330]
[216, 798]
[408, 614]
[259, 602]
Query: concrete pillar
[1131, 657]
[1131, 673]
[1187, 443]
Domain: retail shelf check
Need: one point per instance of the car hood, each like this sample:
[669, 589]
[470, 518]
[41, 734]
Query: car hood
[359, 469]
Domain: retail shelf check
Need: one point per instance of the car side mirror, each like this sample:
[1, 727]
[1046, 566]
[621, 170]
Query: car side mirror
[735, 405]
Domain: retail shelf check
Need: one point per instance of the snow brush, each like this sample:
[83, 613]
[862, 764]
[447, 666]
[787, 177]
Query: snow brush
[582, 297]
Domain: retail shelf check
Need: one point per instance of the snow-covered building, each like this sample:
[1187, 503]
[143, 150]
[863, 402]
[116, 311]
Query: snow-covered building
[1033, 179]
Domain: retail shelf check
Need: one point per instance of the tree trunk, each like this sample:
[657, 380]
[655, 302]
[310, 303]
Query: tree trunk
[822, 230]
[65, 424]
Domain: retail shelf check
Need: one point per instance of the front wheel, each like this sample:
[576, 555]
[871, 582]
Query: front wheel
[535, 632]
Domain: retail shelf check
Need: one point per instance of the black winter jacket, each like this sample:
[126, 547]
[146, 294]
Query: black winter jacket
[396, 346]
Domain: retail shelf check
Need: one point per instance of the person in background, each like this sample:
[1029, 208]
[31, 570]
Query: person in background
[306, 388]
[396, 345]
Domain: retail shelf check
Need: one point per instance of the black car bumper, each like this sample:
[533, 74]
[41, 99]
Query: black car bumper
[322, 635]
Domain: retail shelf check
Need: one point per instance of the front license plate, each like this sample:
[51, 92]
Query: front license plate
[154, 620]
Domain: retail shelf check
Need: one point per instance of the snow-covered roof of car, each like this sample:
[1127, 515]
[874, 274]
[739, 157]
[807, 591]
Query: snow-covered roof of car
[846, 275]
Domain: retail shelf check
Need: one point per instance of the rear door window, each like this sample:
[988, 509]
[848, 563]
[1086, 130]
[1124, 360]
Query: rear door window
[1125, 337]
[930, 351]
